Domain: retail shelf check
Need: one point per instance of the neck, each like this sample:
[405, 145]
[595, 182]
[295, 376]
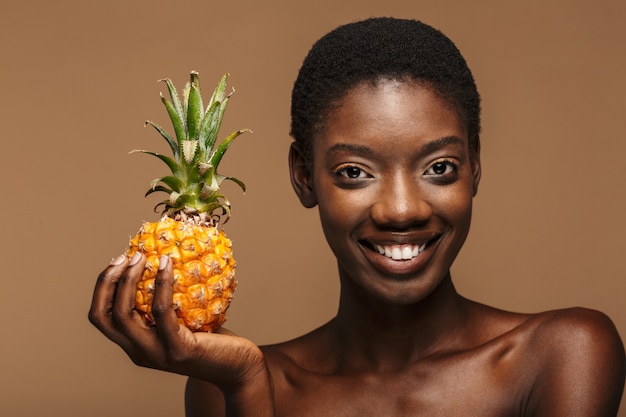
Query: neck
[381, 335]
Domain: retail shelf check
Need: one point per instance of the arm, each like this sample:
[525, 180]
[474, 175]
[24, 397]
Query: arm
[203, 399]
[234, 364]
[582, 373]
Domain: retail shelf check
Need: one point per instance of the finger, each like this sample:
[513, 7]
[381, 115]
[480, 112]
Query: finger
[139, 340]
[100, 312]
[162, 307]
[124, 312]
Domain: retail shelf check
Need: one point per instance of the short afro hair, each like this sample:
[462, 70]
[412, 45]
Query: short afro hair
[374, 49]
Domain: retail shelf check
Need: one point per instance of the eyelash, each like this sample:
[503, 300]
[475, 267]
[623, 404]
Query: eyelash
[446, 164]
[343, 172]
[449, 173]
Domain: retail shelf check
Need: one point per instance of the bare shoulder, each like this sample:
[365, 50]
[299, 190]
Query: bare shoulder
[567, 362]
[306, 351]
[578, 363]
[576, 331]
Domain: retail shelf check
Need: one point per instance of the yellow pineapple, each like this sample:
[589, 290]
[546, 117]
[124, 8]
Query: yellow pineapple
[204, 267]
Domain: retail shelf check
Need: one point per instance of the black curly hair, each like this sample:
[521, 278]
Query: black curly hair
[374, 49]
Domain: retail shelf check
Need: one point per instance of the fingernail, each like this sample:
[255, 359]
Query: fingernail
[135, 258]
[163, 262]
[118, 260]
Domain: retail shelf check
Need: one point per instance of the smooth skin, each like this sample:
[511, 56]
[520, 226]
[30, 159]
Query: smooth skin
[392, 172]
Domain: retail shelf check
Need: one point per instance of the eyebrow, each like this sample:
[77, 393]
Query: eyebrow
[349, 147]
[427, 148]
[436, 144]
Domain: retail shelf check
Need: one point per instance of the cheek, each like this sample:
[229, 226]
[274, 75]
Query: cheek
[458, 205]
[456, 208]
[337, 212]
[334, 227]
[341, 212]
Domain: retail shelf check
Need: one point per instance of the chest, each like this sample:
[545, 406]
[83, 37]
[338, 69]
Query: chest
[453, 389]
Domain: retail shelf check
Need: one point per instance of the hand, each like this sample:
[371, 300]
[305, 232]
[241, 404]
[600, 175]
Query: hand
[221, 358]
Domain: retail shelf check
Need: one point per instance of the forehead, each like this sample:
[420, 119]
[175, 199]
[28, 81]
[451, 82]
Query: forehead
[390, 110]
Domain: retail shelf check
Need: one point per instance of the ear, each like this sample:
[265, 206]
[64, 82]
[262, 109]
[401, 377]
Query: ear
[301, 176]
[476, 167]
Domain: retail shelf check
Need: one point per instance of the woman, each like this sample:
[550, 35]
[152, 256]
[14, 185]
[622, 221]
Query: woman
[386, 122]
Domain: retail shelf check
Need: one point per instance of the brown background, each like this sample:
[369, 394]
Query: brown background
[79, 78]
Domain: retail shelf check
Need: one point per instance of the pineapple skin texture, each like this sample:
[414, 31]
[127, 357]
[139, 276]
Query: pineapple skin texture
[204, 271]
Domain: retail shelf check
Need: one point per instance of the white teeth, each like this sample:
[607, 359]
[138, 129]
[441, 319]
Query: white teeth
[400, 252]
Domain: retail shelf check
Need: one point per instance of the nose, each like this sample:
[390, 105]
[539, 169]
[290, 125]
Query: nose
[401, 204]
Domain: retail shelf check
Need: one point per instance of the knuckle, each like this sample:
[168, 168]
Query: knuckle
[121, 319]
[160, 309]
[96, 317]
[140, 361]
[104, 277]
[123, 279]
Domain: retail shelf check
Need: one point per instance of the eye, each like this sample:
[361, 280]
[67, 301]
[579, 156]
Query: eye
[442, 168]
[351, 172]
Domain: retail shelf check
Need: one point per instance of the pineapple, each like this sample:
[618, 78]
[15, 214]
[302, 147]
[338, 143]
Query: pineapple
[188, 231]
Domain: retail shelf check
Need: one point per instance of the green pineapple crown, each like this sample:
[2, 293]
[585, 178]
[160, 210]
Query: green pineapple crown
[194, 184]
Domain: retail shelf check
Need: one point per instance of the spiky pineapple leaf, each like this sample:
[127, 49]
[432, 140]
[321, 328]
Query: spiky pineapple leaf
[212, 116]
[174, 183]
[174, 196]
[176, 119]
[218, 93]
[180, 201]
[236, 181]
[162, 203]
[209, 186]
[189, 148]
[185, 102]
[156, 189]
[194, 183]
[207, 134]
[216, 158]
[170, 140]
[213, 127]
[194, 106]
[217, 205]
[174, 96]
[171, 163]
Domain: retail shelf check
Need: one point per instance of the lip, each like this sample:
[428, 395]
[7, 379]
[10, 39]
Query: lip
[400, 255]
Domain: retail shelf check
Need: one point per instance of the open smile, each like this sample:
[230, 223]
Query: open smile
[400, 252]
